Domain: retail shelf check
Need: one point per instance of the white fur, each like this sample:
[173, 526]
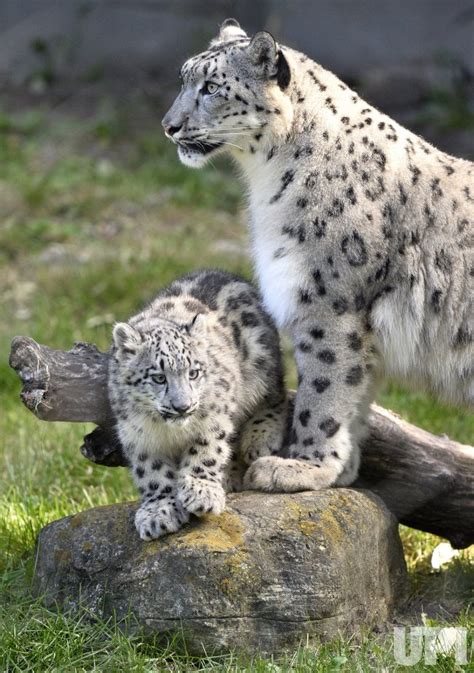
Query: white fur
[191, 159]
[398, 322]
[163, 439]
[277, 278]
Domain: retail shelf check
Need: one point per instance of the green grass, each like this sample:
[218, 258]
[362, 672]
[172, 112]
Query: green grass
[92, 222]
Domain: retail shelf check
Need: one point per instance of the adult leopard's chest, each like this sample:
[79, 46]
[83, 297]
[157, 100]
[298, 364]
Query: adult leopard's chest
[279, 261]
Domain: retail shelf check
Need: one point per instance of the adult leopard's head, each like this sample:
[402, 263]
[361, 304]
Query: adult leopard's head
[233, 96]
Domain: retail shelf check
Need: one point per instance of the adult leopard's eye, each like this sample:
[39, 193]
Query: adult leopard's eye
[159, 378]
[194, 373]
[210, 88]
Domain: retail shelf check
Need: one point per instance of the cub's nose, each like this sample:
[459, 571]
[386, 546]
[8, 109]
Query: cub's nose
[181, 408]
[170, 130]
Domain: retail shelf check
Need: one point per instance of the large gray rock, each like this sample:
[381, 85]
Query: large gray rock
[262, 576]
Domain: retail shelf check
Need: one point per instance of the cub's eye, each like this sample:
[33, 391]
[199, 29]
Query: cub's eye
[159, 378]
[194, 373]
[210, 88]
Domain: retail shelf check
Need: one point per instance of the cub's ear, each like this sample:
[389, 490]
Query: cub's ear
[229, 30]
[198, 325]
[269, 59]
[127, 340]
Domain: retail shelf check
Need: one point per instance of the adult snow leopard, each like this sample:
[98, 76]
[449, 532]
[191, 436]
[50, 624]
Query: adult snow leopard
[361, 234]
[193, 379]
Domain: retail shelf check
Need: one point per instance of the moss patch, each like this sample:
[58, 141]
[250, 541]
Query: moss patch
[216, 533]
[331, 520]
[241, 576]
[295, 517]
[307, 527]
[62, 557]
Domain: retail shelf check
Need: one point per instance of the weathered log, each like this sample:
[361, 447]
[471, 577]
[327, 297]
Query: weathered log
[62, 385]
[425, 480]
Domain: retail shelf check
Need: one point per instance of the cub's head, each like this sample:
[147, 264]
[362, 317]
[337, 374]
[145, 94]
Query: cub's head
[233, 96]
[162, 368]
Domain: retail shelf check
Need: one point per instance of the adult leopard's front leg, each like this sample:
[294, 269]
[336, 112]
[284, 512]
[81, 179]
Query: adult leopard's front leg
[335, 371]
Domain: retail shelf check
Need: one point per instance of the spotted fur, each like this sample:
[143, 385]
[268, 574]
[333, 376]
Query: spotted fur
[362, 238]
[196, 385]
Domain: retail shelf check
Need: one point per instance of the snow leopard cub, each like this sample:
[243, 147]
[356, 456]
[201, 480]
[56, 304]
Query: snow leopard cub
[196, 386]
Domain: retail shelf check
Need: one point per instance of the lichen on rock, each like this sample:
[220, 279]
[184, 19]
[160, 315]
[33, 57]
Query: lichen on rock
[271, 570]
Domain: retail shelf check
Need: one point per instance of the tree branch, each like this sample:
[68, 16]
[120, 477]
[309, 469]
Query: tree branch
[425, 480]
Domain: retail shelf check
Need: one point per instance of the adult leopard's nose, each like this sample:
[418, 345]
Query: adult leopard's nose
[170, 128]
[173, 121]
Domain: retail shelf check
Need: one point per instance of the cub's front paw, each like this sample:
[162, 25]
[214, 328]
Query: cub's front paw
[157, 518]
[199, 496]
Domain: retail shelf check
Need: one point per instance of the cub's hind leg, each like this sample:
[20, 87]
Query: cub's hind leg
[265, 433]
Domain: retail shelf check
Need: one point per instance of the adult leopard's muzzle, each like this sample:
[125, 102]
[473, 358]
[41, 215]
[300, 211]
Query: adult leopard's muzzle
[174, 121]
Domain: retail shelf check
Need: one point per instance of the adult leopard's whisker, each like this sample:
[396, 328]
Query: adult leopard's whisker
[231, 128]
[225, 142]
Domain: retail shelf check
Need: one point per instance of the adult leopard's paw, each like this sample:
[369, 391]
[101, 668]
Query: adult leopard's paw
[200, 496]
[155, 519]
[286, 475]
[261, 475]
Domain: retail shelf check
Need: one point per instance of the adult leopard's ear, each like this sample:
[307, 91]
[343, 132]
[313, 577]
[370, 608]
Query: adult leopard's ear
[269, 59]
[126, 339]
[262, 52]
[230, 30]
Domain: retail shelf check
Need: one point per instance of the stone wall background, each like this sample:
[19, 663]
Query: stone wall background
[413, 58]
[348, 36]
